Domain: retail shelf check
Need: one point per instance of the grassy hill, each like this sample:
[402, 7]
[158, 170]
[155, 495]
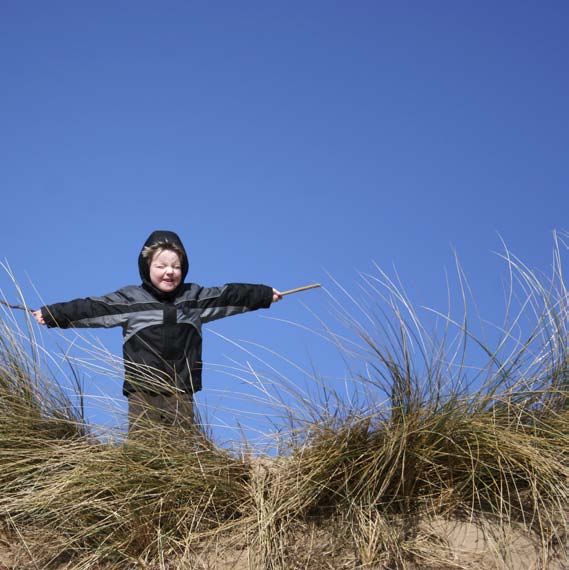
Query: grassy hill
[429, 467]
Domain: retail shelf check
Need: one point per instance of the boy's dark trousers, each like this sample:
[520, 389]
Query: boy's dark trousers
[175, 410]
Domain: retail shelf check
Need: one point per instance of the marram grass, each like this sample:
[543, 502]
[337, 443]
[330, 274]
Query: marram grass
[430, 450]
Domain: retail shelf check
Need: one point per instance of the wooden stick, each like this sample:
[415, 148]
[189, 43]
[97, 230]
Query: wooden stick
[21, 307]
[299, 289]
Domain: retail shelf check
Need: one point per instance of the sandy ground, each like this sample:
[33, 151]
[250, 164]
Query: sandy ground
[460, 545]
[492, 547]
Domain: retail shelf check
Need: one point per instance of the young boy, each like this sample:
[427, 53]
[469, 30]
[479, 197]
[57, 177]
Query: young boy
[162, 327]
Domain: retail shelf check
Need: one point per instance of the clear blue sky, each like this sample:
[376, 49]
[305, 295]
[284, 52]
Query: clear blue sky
[283, 141]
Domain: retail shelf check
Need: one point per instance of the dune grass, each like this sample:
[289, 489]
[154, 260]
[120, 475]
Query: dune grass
[440, 428]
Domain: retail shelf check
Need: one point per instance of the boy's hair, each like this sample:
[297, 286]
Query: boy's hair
[150, 251]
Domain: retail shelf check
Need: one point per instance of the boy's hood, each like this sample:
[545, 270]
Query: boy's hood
[144, 269]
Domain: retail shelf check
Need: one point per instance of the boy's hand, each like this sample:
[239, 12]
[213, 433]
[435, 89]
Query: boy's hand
[277, 295]
[38, 317]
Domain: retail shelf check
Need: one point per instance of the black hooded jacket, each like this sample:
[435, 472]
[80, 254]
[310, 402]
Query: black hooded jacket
[162, 332]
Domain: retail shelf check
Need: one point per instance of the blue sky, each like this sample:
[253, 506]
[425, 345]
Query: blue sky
[286, 142]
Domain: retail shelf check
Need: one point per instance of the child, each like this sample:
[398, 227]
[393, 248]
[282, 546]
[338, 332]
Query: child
[162, 327]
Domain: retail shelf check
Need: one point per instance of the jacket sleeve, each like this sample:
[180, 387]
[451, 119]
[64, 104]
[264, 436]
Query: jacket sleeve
[106, 311]
[232, 299]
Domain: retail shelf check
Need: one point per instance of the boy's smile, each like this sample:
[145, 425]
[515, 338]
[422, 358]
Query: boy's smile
[166, 270]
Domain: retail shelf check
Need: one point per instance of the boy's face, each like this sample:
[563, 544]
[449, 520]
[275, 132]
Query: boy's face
[165, 270]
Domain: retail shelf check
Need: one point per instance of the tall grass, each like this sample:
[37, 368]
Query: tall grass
[440, 430]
